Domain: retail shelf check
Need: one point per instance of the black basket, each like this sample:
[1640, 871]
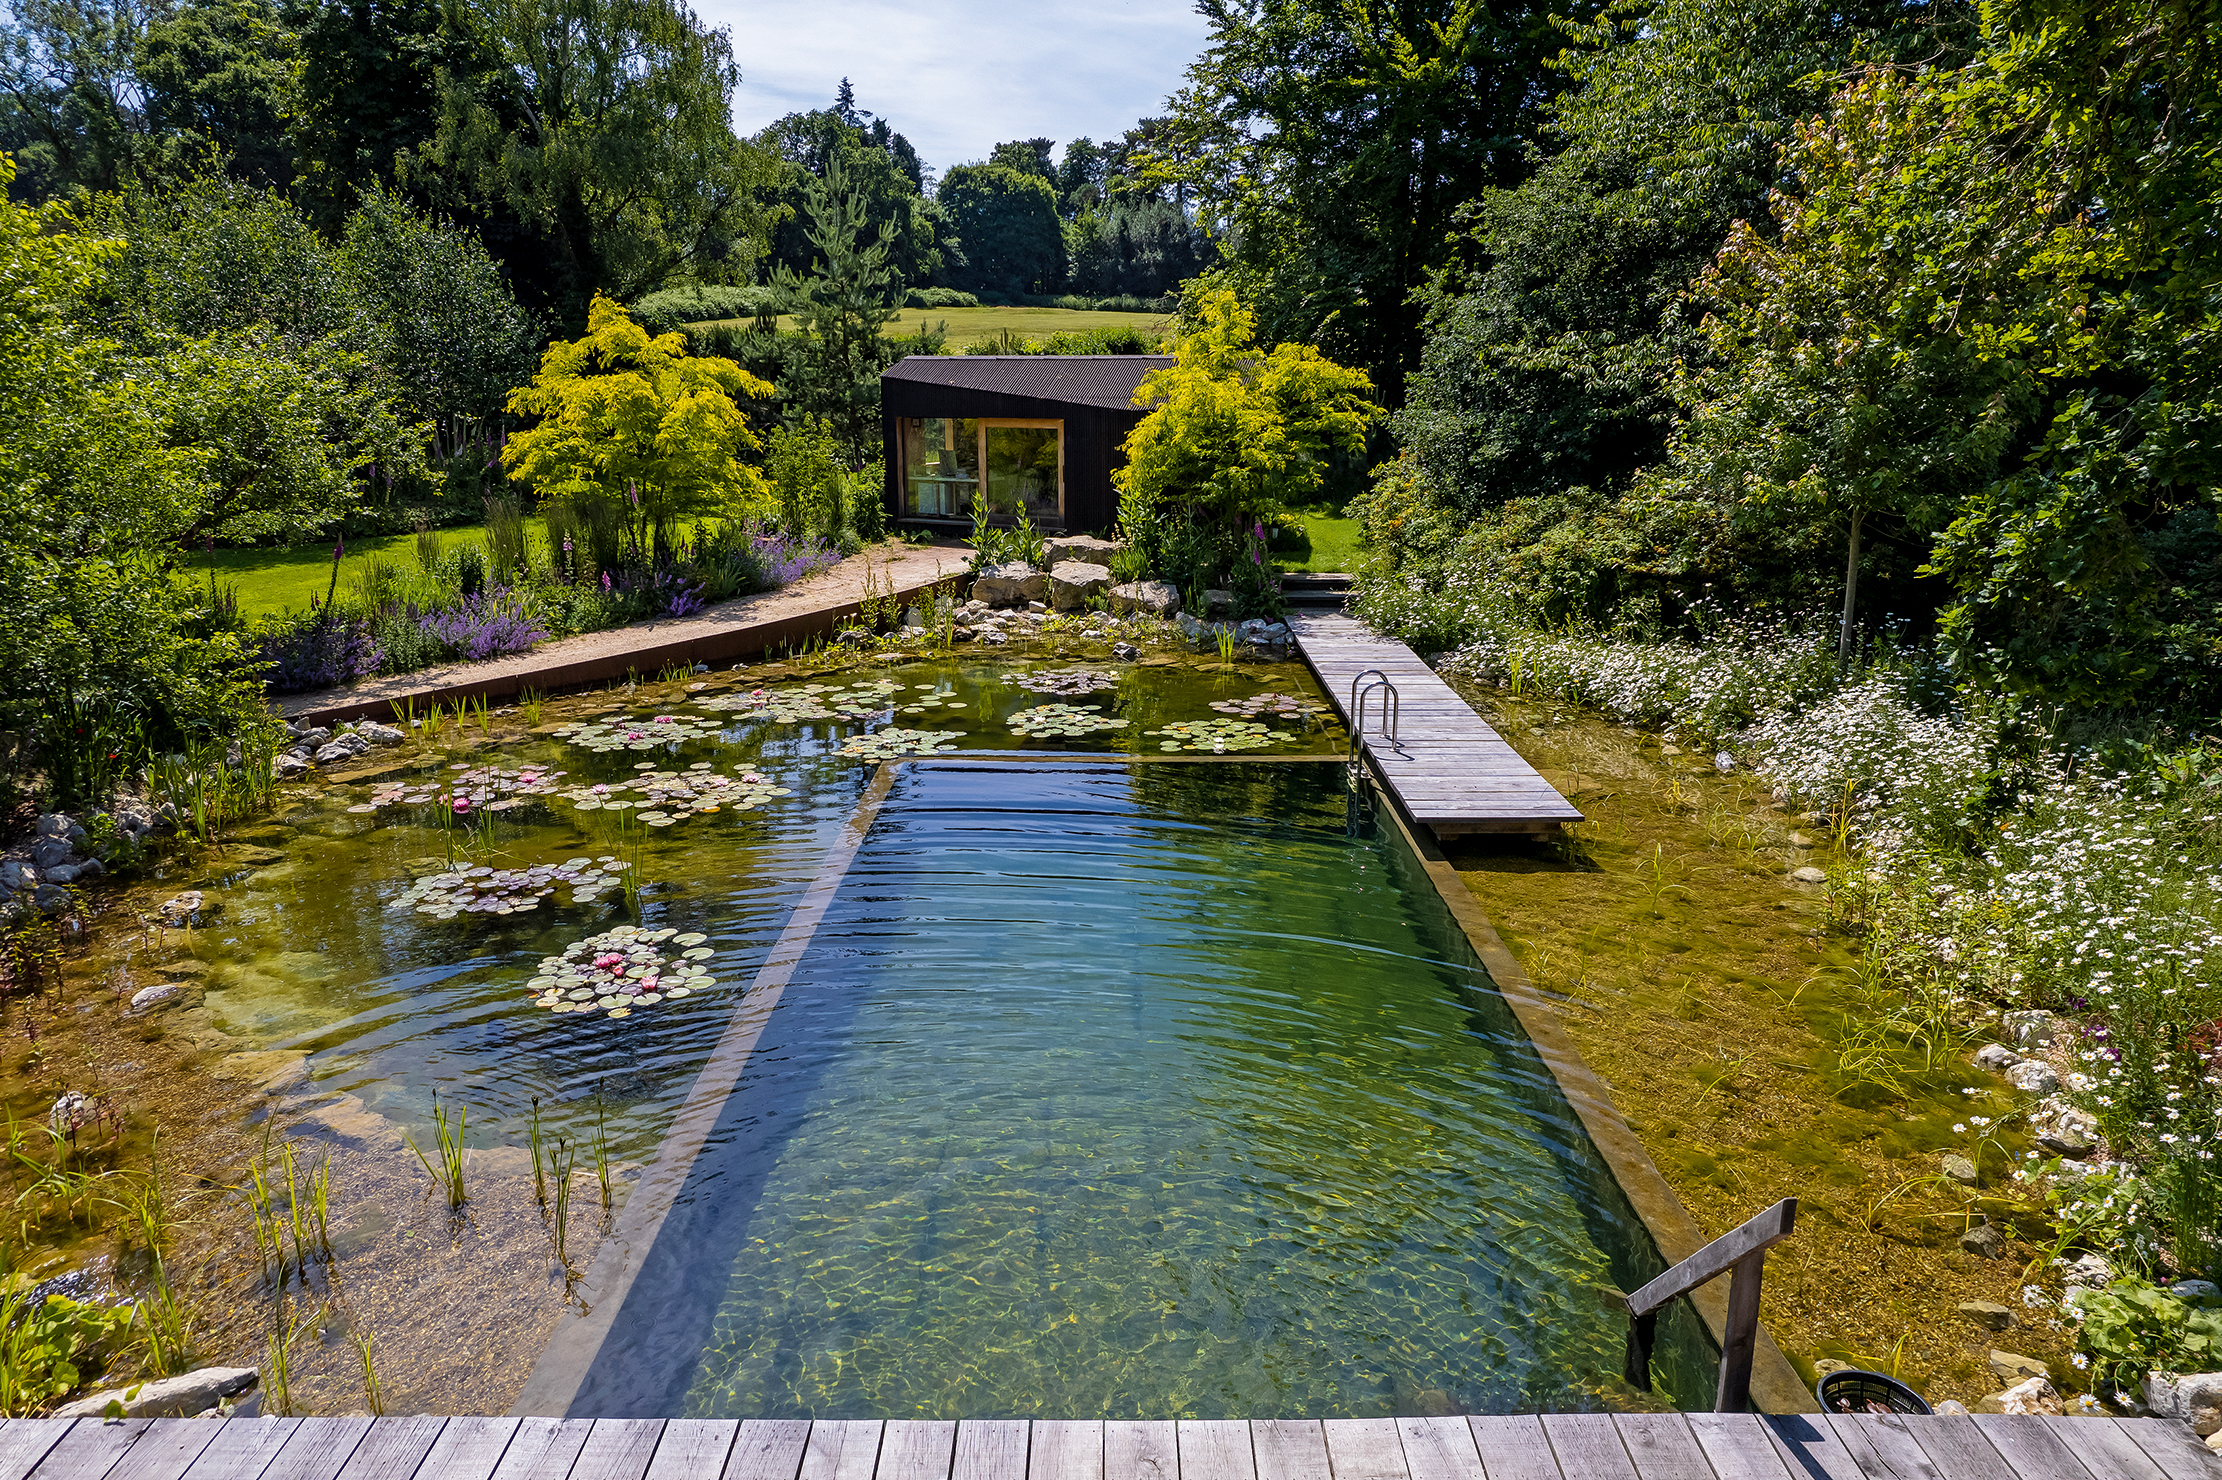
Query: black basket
[1850, 1390]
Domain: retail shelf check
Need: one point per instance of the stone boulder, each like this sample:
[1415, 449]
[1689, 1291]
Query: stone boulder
[2064, 1130]
[1988, 1314]
[1081, 547]
[1809, 875]
[1158, 598]
[171, 1397]
[2033, 1077]
[2194, 1397]
[378, 734]
[148, 999]
[1266, 639]
[288, 766]
[2015, 1368]
[1984, 1241]
[2032, 1029]
[16, 874]
[1013, 583]
[48, 852]
[341, 748]
[2031, 1395]
[1996, 1057]
[1072, 582]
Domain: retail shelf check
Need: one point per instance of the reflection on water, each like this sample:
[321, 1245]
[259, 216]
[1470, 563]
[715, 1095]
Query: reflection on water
[1139, 1093]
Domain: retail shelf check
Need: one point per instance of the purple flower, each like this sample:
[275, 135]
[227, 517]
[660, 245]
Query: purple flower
[484, 626]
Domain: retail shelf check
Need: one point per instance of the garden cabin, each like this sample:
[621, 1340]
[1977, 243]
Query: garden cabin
[1042, 431]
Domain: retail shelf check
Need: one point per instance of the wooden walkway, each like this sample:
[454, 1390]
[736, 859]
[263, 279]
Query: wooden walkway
[1450, 771]
[1652, 1446]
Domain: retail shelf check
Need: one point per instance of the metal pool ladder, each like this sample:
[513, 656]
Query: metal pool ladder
[1362, 693]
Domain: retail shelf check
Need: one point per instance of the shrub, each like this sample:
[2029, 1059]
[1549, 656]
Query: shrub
[322, 651]
[675, 308]
[939, 298]
[484, 626]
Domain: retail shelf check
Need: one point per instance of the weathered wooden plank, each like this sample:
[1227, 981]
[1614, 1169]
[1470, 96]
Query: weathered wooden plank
[243, 1450]
[995, 1449]
[1146, 1449]
[1738, 1446]
[1882, 1446]
[24, 1442]
[468, 1449]
[167, 1449]
[86, 1450]
[2032, 1450]
[2170, 1445]
[319, 1449]
[917, 1449]
[1066, 1449]
[1588, 1445]
[543, 1447]
[1373, 1449]
[1662, 1446]
[1811, 1449]
[620, 1449]
[2105, 1449]
[1289, 1449]
[394, 1448]
[1216, 1449]
[690, 1448]
[842, 1449]
[1958, 1448]
[1513, 1447]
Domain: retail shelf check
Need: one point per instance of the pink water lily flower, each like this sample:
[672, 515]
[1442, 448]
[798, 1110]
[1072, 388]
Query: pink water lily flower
[603, 963]
[462, 804]
[663, 719]
[599, 789]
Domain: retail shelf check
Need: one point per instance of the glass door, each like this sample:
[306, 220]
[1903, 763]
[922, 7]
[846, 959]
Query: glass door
[1024, 467]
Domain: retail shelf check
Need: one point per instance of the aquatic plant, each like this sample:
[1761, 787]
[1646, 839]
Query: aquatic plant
[374, 1395]
[886, 745]
[491, 788]
[603, 736]
[1219, 735]
[929, 698]
[449, 1173]
[560, 1228]
[666, 797]
[1069, 683]
[1277, 706]
[529, 702]
[277, 1372]
[539, 1169]
[1063, 722]
[806, 702]
[166, 1332]
[622, 969]
[602, 1150]
[485, 890]
[1225, 638]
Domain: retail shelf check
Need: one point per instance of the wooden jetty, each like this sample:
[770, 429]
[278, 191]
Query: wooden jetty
[1448, 769]
[1554, 1446]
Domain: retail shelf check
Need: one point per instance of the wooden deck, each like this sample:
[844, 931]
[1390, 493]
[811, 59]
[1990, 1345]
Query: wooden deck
[1653, 1446]
[1449, 770]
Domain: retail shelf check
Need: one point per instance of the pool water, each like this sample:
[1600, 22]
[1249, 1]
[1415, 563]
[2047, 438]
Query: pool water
[1135, 1090]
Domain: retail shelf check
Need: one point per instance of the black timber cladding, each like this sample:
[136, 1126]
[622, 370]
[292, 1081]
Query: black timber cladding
[1093, 395]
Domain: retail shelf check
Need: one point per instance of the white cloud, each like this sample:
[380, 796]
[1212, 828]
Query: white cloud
[959, 76]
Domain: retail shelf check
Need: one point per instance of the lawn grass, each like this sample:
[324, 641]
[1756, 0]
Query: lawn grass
[1336, 542]
[272, 580]
[968, 326]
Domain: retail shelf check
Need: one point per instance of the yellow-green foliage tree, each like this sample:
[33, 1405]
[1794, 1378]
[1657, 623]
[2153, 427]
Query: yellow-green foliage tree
[1236, 434]
[634, 422]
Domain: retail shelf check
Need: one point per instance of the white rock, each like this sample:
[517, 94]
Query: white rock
[16, 874]
[1080, 547]
[2033, 1395]
[1810, 875]
[288, 766]
[1072, 582]
[2194, 1397]
[2196, 1290]
[171, 1397]
[2032, 1076]
[1158, 598]
[146, 999]
[1013, 583]
[2064, 1130]
[378, 734]
[72, 1112]
[1996, 1057]
[2031, 1029]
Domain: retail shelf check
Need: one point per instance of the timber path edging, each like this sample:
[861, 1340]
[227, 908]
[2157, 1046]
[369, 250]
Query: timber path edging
[742, 628]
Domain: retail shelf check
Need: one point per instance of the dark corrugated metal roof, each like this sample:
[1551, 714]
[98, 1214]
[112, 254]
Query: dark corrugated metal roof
[1077, 380]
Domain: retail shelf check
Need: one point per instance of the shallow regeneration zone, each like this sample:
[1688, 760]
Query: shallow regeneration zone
[1049, 1076]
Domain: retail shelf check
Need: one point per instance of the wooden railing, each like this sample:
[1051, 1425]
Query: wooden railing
[1741, 1254]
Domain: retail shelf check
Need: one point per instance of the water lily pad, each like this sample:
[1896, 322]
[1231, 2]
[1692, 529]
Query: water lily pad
[691, 938]
[882, 745]
[1063, 721]
[1071, 682]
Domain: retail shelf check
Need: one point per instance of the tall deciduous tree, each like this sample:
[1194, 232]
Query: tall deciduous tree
[878, 166]
[605, 125]
[1330, 143]
[1007, 221]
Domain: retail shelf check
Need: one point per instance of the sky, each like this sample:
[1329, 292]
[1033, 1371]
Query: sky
[960, 76]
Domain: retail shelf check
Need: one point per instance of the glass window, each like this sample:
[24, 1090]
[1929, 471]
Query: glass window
[941, 464]
[1024, 468]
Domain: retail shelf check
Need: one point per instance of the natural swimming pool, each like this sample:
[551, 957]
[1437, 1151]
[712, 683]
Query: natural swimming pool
[1133, 1089]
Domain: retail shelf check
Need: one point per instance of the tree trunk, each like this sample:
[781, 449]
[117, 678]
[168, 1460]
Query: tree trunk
[1851, 591]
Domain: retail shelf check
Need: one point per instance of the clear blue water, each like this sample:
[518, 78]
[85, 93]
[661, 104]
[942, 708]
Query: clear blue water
[1136, 1090]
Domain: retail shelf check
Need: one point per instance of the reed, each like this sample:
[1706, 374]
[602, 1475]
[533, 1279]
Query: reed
[449, 1173]
[167, 1333]
[539, 1168]
[278, 1371]
[374, 1396]
[1226, 643]
[602, 1150]
[529, 702]
[561, 1164]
